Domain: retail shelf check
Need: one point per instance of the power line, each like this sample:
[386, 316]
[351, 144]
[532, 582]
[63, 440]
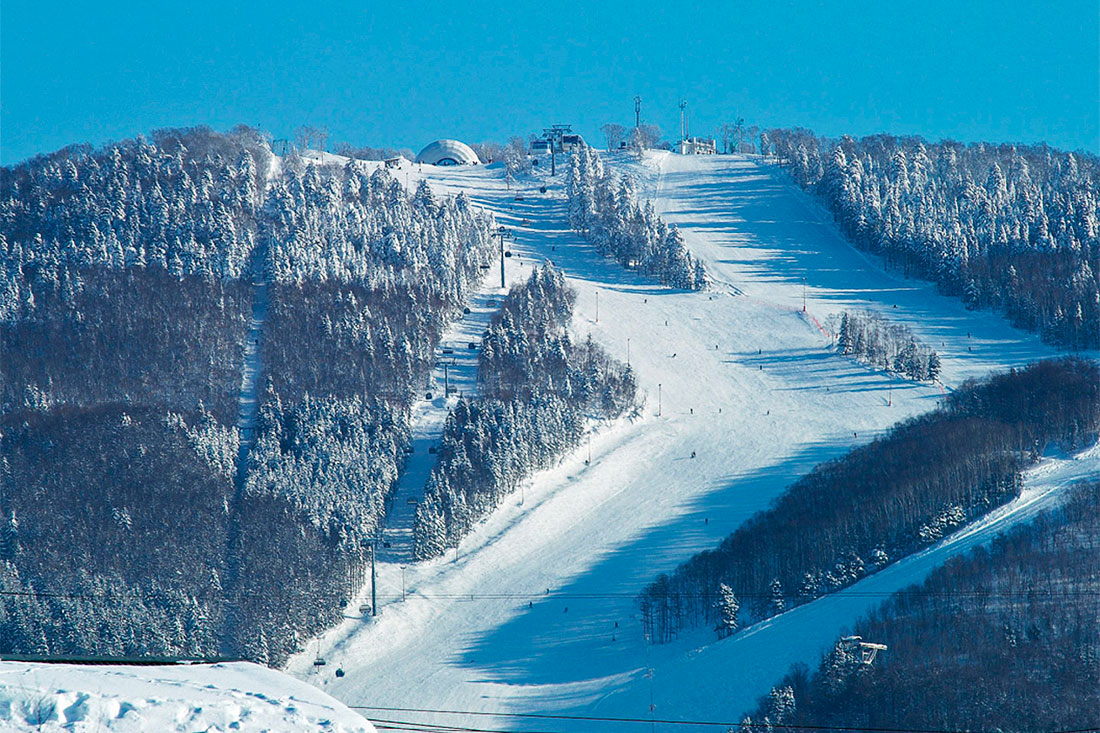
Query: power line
[523, 596]
[385, 724]
[639, 721]
[869, 594]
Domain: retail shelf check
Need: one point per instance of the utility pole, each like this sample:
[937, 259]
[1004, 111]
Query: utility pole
[504, 233]
[683, 123]
[649, 676]
[658, 399]
[403, 568]
[373, 596]
[637, 112]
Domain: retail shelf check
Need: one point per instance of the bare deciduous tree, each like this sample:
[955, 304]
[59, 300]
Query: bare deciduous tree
[614, 133]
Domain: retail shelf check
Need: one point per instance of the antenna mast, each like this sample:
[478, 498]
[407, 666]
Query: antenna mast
[683, 124]
[637, 112]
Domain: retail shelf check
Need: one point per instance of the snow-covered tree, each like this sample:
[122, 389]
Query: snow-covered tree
[727, 608]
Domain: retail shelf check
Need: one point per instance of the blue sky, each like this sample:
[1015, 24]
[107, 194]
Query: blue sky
[385, 73]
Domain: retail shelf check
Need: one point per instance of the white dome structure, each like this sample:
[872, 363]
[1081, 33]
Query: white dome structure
[448, 152]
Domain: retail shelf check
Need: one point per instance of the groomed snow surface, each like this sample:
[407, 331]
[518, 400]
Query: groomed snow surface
[535, 611]
[217, 697]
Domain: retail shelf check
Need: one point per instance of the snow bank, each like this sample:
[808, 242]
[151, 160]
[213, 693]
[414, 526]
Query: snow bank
[215, 697]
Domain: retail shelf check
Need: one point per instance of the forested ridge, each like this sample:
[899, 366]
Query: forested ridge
[1010, 227]
[903, 491]
[124, 312]
[1012, 628]
[538, 388]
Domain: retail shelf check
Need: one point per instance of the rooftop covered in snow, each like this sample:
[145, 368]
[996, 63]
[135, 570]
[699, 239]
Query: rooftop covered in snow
[448, 152]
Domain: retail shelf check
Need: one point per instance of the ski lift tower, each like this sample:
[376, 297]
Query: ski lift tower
[553, 135]
[503, 233]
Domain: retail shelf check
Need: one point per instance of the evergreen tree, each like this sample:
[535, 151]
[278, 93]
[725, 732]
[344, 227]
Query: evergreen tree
[727, 608]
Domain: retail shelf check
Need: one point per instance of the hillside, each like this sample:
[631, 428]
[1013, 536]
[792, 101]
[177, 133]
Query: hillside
[1015, 631]
[215, 352]
[678, 340]
[744, 392]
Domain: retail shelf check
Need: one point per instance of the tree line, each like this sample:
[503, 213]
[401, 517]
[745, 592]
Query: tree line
[604, 209]
[870, 338]
[903, 491]
[1010, 227]
[539, 389]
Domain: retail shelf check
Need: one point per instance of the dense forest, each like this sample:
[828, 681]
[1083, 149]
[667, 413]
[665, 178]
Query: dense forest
[538, 390]
[1015, 228]
[604, 209]
[903, 491]
[129, 279]
[1012, 627]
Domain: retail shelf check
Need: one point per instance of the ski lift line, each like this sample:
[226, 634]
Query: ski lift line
[684, 722]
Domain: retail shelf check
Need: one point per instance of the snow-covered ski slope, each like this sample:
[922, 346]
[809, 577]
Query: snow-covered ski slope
[536, 613]
[206, 697]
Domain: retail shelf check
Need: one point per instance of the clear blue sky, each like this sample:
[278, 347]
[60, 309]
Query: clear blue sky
[379, 74]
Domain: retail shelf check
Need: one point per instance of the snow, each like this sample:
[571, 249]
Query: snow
[523, 617]
[216, 697]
